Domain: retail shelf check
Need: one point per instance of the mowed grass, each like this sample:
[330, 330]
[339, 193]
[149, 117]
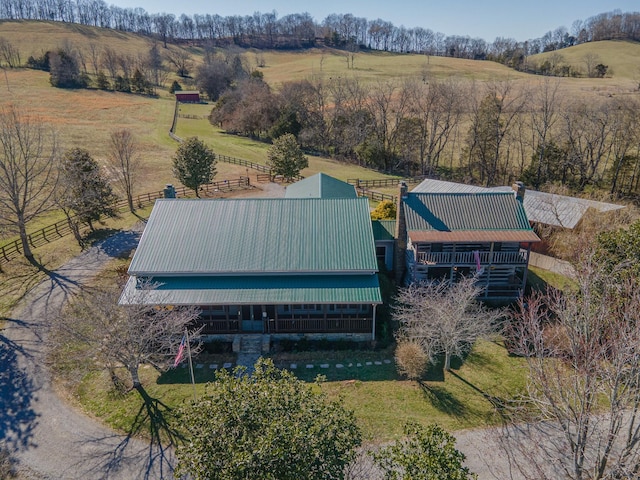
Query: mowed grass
[382, 402]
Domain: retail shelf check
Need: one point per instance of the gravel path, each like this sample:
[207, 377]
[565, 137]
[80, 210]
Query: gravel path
[50, 439]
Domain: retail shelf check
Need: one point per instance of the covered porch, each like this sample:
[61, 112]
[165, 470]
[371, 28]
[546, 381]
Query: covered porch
[290, 318]
[304, 304]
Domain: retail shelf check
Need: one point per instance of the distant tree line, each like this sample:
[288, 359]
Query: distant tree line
[485, 134]
[266, 30]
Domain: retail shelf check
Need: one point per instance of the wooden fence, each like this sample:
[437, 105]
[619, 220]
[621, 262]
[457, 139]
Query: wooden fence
[377, 196]
[62, 228]
[244, 163]
[383, 182]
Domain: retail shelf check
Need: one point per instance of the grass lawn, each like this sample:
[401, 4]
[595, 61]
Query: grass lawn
[382, 402]
[538, 279]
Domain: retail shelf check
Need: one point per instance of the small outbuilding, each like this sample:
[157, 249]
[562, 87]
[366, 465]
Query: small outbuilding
[188, 96]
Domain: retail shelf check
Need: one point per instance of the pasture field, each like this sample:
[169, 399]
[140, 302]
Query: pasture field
[620, 56]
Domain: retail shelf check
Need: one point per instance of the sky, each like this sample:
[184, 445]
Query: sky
[486, 19]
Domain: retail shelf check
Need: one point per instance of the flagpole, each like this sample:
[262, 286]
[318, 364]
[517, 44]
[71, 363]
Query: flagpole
[193, 380]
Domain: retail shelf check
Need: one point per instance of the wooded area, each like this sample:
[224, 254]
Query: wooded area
[266, 30]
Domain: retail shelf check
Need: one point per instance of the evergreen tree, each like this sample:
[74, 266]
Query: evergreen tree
[286, 158]
[84, 192]
[64, 71]
[268, 425]
[427, 453]
[194, 164]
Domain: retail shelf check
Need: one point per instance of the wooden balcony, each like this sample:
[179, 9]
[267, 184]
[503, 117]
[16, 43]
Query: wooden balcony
[468, 258]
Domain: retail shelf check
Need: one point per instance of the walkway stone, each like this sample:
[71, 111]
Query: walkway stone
[250, 352]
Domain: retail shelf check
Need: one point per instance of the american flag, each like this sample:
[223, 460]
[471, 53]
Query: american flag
[180, 354]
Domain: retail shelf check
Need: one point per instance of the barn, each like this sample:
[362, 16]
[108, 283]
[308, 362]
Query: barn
[188, 96]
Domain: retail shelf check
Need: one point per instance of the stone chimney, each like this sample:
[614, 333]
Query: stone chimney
[400, 258]
[518, 190]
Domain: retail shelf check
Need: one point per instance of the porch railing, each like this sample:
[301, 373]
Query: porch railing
[468, 258]
[302, 324]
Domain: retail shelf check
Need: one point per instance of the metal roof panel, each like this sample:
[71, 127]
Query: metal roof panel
[448, 212]
[256, 290]
[235, 236]
[320, 186]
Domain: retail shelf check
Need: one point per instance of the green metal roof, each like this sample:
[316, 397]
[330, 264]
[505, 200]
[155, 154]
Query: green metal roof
[257, 236]
[320, 186]
[464, 211]
[384, 229]
[258, 290]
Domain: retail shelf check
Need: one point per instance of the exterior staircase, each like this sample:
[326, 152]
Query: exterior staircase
[251, 349]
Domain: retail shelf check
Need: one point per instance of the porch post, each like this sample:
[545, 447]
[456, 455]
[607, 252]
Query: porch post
[526, 269]
[373, 325]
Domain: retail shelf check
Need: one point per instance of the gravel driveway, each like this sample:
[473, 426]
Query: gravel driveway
[50, 439]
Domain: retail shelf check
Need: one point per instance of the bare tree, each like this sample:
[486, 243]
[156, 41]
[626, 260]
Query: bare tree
[180, 59]
[125, 162]
[94, 56]
[28, 174]
[579, 416]
[437, 107]
[625, 136]
[96, 328]
[492, 118]
[127, 63]
[588, 133]
[544, 113]
[110, 61]
[9, 53]
[590, 60]
[444, 318]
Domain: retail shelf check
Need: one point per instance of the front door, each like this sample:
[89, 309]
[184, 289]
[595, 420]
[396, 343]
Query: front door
[252, 319]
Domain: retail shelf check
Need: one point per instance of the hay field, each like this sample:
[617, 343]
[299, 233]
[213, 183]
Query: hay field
[373, 66]
[86, 118]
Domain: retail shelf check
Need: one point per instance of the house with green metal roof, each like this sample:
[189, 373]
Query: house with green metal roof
[278, 266]
[451, 235]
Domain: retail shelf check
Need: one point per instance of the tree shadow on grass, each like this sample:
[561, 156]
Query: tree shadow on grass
[22, 276]
[154, 421]
[443, 400]
[500, 405]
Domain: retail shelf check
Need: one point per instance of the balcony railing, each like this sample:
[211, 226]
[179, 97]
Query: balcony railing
[469, 258]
